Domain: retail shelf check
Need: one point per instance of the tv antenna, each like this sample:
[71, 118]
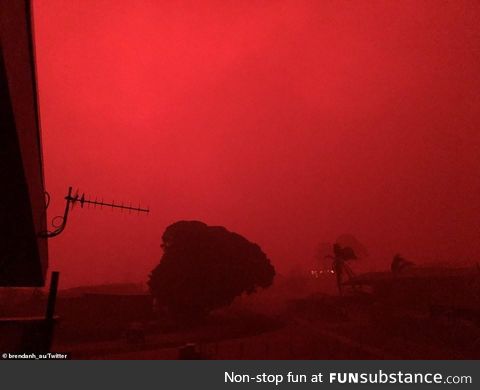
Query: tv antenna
[60, 221]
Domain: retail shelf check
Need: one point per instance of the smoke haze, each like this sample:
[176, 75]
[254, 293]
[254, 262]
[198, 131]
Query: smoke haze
[289, 122]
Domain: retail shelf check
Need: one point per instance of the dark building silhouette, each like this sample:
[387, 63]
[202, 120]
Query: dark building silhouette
[23, 254]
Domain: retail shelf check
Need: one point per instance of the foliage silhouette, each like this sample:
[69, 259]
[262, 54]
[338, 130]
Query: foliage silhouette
[205, 267]
[345, 248]
[400, 264]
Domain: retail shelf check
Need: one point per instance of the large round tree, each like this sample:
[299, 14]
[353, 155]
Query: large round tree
[205, 267]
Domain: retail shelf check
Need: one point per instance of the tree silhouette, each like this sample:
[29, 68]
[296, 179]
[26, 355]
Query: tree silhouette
[205, 267]
[400, 264]
[345, 248]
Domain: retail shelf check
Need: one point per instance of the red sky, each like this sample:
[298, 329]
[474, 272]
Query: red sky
[290, 122]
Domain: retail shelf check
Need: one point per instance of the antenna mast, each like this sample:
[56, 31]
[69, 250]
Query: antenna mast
[72, 200]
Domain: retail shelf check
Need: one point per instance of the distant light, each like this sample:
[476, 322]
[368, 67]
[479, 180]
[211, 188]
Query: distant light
[316, 273]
